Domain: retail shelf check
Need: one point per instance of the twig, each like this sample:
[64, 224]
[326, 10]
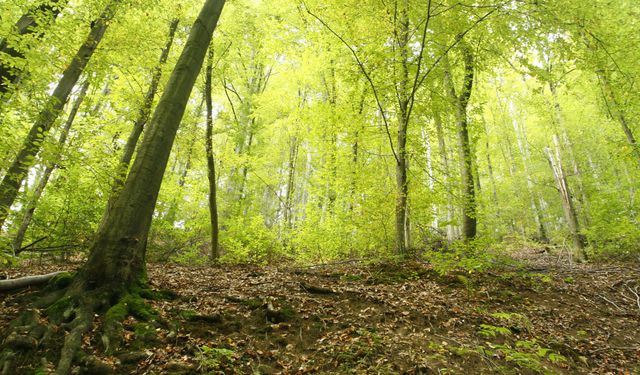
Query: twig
[611, 302]
[366, 75]
[623, 348]
[25, 248]
[635, 292]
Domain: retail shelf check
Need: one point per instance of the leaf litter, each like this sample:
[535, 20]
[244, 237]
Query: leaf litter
[378, 318]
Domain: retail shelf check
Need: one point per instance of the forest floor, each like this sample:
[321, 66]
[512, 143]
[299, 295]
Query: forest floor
[379, 318]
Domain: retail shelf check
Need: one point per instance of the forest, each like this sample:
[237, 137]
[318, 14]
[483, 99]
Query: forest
[319, 187]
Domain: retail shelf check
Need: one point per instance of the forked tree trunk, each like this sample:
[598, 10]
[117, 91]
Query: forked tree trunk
[211, 163]
[565, 195]
[536, 206]
[117, 255]
[469, 219]
[25, 158]
[144, 112]
[51, 166]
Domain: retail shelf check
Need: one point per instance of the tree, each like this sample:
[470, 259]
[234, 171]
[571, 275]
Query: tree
[211, 163]
[145, 110]
[115, 272]
[467, 155]
[51, 166]
[25, 158]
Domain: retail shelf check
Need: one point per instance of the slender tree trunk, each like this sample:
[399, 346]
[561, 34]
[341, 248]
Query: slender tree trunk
[117, 255]
[402, 185]
[143, 113]
[26, 156]
[288, 209]
[535, 198]
[211, 164]
[576, 170]
[444, 160]
[29, 23]
[565, 194]
[469, 219]
[616, 112]
[51, 166]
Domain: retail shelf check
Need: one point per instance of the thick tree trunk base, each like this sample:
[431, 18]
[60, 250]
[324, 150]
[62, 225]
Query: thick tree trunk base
[69, 311]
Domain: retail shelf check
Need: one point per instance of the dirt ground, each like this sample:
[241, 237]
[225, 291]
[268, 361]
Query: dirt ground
[375, 318]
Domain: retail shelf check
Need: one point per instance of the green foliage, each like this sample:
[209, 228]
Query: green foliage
[213, 359]
[473, 257]
[249, 240]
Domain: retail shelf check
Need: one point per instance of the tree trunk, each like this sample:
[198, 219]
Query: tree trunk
[535, 198]
[565, 194]
[288, 209]
[444, 160]
[469, 219]
[568, 146]
[145, 110]
[211, 165]
[27, 24]
[617, 113]
[117, 255]
[51, 166]
[26, 156]
[402, 185]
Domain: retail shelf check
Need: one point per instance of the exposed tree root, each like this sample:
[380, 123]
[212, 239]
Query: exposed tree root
[72, 309]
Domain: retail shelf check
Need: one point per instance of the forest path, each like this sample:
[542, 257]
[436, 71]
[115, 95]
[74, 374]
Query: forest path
[385, 318]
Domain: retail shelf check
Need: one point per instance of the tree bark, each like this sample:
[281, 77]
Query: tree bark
[26, 156]
[51, 166]
[145, 110]
[570, 215]
[469, 219]
[211, 164]
[403, 240]
[117, 255]
[444, 160]
[535, 198]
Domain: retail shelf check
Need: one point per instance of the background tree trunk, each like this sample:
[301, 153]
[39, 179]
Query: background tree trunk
[51, 166]
[27, 24]
[145, 110]
[211, 164]
[469, 214]
[565, 194]
[26, 156]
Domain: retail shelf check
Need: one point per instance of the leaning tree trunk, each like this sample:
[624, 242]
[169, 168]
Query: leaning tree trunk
[29, 23]
[565, 194]
[51, 166]
[26, 156]
[143, 113]
[117, 256]
[616, 112]
[211, 164]
[115, 273]
[469, 219]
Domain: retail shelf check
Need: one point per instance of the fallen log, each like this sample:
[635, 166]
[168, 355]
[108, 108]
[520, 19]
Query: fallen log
[23, 282]
[316, 289]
